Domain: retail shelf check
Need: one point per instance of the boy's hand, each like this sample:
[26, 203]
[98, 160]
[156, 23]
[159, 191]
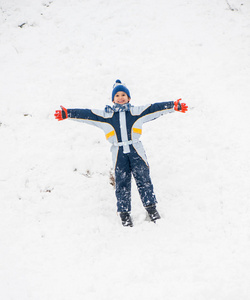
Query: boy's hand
[61, 114]
[181, 107]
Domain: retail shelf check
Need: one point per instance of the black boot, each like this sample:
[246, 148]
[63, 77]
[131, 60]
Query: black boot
[153, 213]
[126, 219]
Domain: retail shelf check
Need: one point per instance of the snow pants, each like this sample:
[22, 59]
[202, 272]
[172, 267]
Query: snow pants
[126, 165]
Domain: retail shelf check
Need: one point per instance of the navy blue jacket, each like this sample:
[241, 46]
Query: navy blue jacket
[122, 128]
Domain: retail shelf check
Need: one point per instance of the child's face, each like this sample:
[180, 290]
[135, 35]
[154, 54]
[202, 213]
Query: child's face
[121, 98]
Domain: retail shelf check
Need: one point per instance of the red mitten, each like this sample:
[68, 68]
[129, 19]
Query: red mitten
[181, 107]
[61, 114]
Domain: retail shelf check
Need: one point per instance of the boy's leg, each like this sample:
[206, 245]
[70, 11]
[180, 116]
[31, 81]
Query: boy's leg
[123, 182]
[140, 171]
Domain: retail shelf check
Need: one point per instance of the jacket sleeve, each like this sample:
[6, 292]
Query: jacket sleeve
[152, 111]
[98, 118]
[143, 114]
[82, 114]
[163, 107]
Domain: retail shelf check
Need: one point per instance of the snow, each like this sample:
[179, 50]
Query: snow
[60, 237]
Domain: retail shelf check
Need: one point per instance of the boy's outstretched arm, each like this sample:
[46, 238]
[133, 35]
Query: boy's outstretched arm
[61, 114]
[181, 107]
[155, 110]
[92, 117]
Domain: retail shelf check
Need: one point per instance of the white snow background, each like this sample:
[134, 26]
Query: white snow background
[60, 236]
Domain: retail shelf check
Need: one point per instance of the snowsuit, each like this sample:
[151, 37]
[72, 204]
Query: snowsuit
[123, 129]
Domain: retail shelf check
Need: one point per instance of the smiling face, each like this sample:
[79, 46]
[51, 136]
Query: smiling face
[121, 98]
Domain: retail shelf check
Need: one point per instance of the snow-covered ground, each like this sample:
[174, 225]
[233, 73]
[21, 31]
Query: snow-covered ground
[60, 237]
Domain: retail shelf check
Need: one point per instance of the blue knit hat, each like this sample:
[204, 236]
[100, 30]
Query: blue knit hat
[119, 87]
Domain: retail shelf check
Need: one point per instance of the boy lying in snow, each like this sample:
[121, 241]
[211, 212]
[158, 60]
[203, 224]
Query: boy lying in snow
[122, 124]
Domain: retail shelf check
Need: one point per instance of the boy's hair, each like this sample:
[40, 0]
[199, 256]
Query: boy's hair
[119, 87]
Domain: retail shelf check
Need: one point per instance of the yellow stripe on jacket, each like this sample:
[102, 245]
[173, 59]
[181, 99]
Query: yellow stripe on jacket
[137, 130]
[111, 133]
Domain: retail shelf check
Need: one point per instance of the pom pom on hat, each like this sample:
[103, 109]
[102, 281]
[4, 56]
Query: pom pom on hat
[119, 87]
[118, 81]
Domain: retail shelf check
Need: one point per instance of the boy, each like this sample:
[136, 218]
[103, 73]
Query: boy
[122, 124]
